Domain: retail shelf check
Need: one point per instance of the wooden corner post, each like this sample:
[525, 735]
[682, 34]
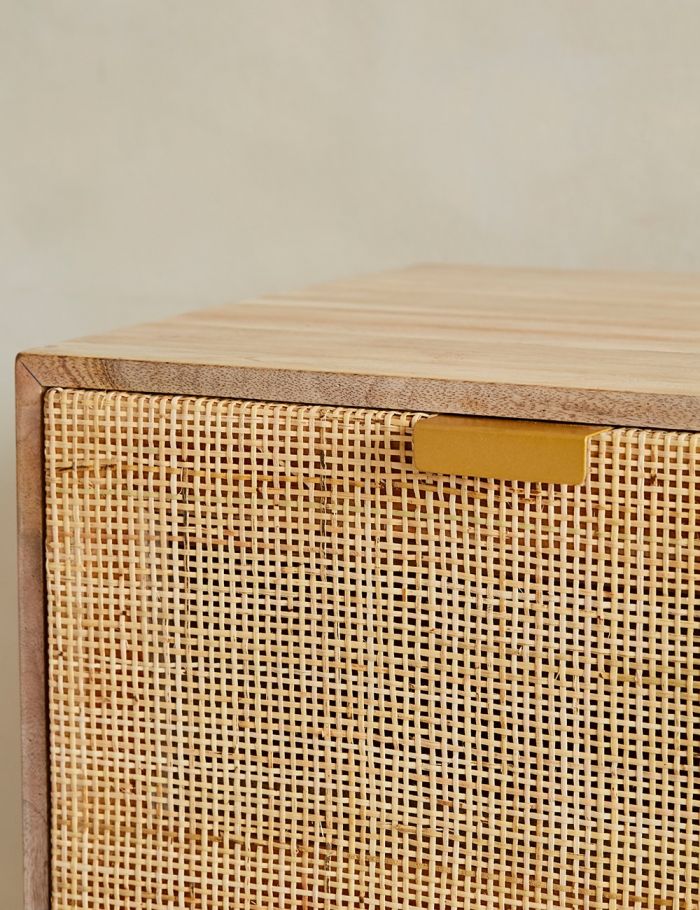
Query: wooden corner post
[32, 630]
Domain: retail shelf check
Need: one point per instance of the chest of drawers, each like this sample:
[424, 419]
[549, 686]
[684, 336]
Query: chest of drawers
[302, 629]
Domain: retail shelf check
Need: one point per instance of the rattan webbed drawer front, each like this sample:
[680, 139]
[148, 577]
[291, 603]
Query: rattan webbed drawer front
[288, 670]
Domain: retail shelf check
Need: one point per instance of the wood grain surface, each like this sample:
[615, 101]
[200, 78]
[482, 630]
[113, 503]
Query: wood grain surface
[32, 628]
[600, 347]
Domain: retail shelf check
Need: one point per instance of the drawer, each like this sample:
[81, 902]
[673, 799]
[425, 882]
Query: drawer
[288, 669]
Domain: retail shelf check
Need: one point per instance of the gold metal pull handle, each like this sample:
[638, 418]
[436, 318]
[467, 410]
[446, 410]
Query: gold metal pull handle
[503, 449]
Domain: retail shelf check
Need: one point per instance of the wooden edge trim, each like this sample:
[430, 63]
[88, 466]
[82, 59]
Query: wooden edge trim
[583, 406]
[32, 632]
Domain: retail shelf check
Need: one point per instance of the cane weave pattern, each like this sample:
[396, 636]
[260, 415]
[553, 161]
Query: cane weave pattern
[288, 671]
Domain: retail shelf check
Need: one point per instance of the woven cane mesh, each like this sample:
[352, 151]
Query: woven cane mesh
[289, 671]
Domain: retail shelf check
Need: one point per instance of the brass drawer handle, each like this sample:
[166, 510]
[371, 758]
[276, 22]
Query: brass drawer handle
[539, 452]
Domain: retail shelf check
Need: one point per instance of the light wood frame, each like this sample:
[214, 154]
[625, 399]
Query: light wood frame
[32, 630]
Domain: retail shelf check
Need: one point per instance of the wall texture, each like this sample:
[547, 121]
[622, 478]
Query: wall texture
[157, 155]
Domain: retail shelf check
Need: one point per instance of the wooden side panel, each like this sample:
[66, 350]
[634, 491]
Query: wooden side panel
[32, 625]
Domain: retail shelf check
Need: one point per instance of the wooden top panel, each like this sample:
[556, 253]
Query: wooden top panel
[600, 347]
